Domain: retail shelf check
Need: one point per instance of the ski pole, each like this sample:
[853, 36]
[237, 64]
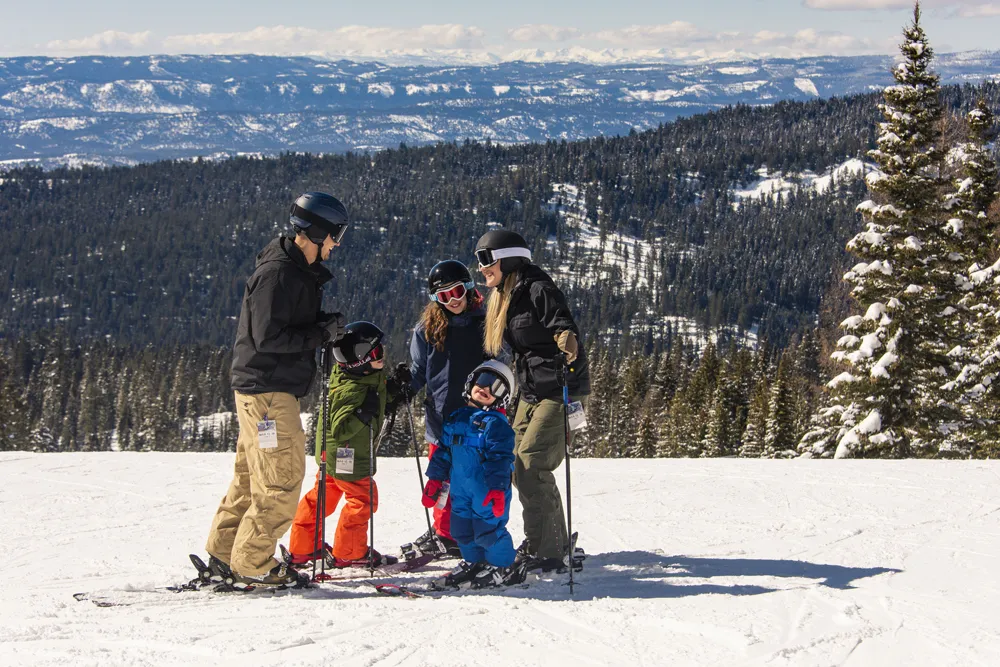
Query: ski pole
[569, 489]
[420, 472]
[371, 500]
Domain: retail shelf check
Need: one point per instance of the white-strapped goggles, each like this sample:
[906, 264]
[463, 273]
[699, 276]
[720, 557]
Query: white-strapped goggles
[490, 380]
[489, 257]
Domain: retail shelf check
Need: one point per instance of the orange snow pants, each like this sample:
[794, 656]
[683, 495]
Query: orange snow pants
[351, 539]
[442, 517]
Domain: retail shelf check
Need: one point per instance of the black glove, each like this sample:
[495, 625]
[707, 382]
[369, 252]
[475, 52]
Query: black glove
[333, 327]
[369, 408]
[398, 384]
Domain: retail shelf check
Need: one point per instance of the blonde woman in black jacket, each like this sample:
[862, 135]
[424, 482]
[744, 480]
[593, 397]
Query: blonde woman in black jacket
[530, 314]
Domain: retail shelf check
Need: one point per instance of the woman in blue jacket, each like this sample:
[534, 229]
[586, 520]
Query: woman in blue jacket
[447, 345]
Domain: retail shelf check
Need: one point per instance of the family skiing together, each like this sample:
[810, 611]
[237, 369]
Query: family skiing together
[478, 450]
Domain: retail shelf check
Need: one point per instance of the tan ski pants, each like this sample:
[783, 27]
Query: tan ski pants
[261, 501]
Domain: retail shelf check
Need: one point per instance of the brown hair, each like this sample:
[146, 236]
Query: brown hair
[435, 321]
[496, 315]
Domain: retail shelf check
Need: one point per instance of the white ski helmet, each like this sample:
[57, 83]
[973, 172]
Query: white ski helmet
[497, 377]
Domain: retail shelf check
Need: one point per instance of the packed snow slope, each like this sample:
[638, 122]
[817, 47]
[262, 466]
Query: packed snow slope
[692, 562]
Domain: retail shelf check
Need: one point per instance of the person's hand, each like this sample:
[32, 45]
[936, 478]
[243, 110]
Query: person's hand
[431, 491]
[398, 385]
[567, 344]
[369, 408]
[496, 497]
[333, 327]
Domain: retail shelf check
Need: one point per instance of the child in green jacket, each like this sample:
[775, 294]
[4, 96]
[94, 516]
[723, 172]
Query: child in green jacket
[356, 409]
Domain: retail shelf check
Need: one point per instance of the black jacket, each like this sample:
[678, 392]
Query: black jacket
[537, 312]
[278, 332]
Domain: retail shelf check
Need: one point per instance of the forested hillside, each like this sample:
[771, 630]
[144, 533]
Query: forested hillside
[140, 270]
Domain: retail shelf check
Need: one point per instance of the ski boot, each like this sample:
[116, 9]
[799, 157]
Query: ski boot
[491, 576]
[303, 560]
[280, 576]
[431, 544]
[463, 573]
[378, 560]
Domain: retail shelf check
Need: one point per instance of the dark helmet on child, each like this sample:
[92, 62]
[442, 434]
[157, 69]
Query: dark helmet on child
[361, 345]
[496, 377]
[316, 215]
[449, 280]
[504, 246]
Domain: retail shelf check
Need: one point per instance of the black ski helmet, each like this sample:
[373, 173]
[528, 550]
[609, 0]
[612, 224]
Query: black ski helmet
[360, 346]
[447, 273]
[508, 247]
[497, 377]
[316, 214]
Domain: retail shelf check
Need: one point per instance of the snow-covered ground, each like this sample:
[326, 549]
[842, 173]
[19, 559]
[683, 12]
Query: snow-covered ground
[693, 562]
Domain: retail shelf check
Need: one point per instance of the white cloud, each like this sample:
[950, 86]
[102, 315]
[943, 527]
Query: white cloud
[109, 42]
[665, 34]
[348, 39]
[540, 32]
[461, 44]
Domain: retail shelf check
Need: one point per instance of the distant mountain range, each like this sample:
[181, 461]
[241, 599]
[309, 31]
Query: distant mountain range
[108, 110]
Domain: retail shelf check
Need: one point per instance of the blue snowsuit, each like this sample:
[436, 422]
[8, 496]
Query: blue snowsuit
[476, 453]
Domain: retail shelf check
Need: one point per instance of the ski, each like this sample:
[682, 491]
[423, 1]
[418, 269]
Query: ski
[430, 591]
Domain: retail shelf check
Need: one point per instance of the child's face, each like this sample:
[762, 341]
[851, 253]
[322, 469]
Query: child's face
[482, 395]
[378, 365]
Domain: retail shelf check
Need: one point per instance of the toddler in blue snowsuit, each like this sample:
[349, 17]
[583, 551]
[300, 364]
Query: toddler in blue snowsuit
[476, 453]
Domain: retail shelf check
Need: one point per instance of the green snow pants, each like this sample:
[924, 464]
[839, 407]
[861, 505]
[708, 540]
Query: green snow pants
[539, 449]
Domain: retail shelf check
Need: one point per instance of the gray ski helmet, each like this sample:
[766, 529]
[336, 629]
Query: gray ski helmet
[495, 375]
[505, 246]
[317, 214]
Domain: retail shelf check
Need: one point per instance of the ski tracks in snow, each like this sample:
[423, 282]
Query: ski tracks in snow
[692, 562]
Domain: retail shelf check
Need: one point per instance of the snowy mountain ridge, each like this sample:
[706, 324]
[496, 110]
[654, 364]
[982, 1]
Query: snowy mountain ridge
[125, 110]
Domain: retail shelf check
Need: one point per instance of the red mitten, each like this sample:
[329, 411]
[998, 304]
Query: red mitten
[496, 497]
[431, 491]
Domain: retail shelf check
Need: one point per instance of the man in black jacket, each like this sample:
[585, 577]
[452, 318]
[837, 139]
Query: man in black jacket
[280, 328]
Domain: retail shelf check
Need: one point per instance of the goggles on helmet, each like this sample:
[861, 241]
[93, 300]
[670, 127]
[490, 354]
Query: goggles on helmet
[363, 353]
[456, 291]
[496, 384]
[304, 219]
[488, 256]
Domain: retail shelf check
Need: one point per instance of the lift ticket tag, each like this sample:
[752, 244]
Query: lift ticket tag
[345, 461]
[577, 417]
[267, 433]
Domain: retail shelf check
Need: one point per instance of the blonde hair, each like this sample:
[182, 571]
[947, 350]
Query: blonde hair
[496, 315]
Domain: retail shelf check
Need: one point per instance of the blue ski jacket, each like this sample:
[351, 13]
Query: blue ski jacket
[476, 453]
[444, 372]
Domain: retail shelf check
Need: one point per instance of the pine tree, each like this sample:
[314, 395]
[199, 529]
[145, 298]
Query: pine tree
[891, 350]
[780, 433]
[752, 442]
[975, 328]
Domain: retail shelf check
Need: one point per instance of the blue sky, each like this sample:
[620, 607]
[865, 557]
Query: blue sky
[485, 31]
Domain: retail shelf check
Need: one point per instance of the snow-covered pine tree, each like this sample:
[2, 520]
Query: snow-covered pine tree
[869, 411]
[752, 443]
[779, 436]
[973, 203]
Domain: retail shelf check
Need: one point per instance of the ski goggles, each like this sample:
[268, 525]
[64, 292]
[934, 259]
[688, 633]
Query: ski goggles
[454, 292]
[488, 257]
[496, 384]
[363, 353]
[304, 219]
